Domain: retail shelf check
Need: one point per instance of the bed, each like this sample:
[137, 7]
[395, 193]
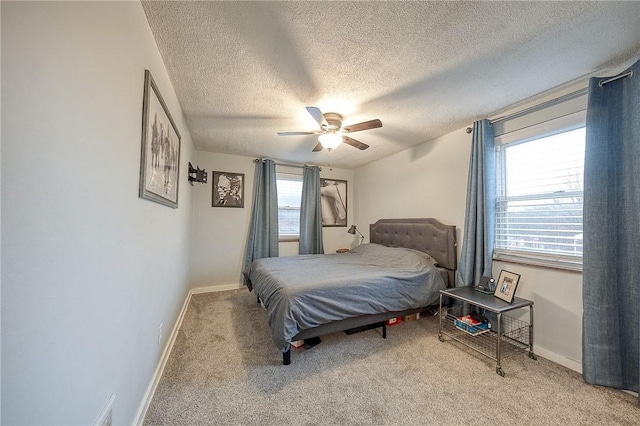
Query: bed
[400, 272]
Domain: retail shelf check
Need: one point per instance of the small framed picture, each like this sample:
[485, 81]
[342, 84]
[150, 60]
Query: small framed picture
[507, 284]
[228, 189]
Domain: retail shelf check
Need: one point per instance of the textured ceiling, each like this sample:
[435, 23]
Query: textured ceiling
[244, 71]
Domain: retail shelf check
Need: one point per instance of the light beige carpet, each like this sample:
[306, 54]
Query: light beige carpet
[224, 369]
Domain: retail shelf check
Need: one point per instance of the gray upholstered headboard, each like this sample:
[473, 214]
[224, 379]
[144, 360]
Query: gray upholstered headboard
[424, 234]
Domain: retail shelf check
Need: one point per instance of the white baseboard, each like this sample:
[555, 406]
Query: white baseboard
[213, 288]
[151, 389]
[558, 359]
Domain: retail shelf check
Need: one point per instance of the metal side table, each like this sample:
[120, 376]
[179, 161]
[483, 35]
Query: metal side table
[505, 336]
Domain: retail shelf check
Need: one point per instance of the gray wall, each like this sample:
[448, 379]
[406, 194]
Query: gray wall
[89, 270]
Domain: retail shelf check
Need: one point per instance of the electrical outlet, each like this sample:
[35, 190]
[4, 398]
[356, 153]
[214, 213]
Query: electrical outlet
[160, 334]
[105, 418]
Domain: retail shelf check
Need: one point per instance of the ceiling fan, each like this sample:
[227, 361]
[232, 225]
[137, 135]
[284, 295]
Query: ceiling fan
[332, 132]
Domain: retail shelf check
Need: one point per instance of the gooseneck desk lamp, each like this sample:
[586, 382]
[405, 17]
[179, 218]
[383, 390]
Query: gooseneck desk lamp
[353, 231]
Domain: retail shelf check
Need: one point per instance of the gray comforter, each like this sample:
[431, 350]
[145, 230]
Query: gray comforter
[302, 292]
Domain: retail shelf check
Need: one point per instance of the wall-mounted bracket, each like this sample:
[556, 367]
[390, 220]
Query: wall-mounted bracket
[197, 175]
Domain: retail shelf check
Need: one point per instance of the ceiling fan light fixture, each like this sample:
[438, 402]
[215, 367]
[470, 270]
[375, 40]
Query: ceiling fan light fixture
[330, 140]
[332, 133]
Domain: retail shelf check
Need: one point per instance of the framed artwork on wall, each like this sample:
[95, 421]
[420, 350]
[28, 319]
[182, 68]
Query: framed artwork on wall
[507, 285]
[333, 197]
[160, 157]
[228, 189]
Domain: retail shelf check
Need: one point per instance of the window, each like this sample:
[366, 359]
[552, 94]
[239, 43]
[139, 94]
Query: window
[289, 197]
[539, 195]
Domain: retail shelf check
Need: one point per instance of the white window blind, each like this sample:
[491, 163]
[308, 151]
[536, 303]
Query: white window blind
[539, 199]
[289, 197]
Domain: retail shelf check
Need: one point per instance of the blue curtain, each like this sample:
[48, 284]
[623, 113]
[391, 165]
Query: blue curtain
[311, 213]
[611, 258]
[263, 230]
[476, 256]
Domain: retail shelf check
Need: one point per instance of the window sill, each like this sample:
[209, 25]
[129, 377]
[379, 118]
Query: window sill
[288, 239]
[562, 263]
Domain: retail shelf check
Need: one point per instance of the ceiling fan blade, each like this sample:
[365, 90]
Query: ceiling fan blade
[317, 148]
[372, 124]
[317, 115]
[297, 133]
[355, 143]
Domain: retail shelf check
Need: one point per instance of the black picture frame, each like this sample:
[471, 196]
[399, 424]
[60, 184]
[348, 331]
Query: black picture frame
[160, 152]
[507, 285]
[228, 190]
[333, 199]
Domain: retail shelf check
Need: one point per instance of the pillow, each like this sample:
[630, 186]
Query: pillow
[423, 255]
[432, 260]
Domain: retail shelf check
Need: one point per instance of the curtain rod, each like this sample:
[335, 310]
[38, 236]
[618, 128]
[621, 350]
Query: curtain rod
[255, 160]
[617, 77]
[568, 96]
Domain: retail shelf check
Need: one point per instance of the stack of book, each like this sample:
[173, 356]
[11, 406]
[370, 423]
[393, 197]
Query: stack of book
[470, 325]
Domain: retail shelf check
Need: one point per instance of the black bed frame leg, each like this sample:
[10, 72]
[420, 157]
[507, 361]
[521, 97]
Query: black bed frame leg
[286, 357]
[384, 330]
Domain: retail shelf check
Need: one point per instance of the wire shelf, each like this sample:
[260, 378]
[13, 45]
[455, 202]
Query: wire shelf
[514, 332]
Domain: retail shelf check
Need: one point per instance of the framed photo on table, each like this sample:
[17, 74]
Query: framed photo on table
[507, 285]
